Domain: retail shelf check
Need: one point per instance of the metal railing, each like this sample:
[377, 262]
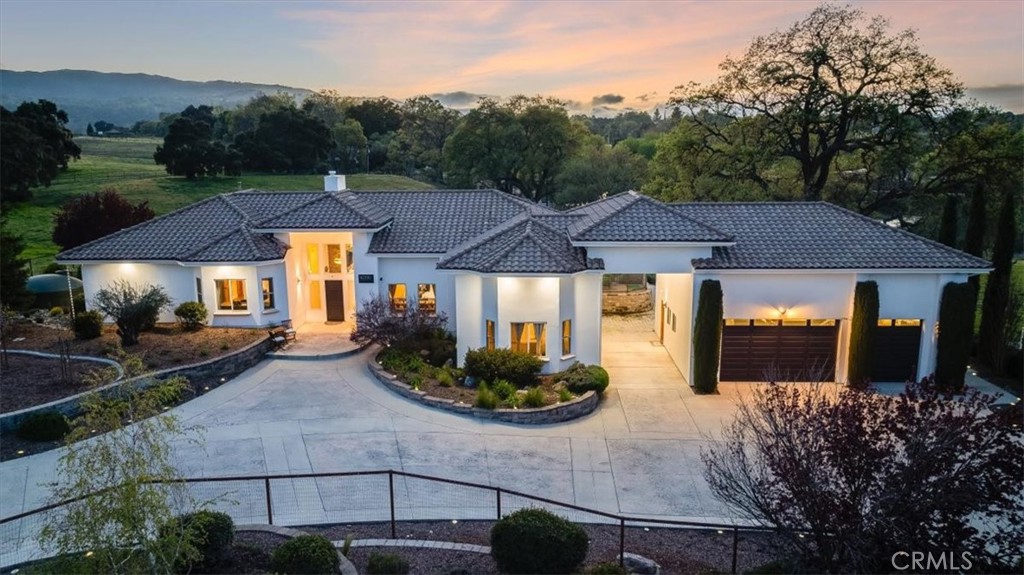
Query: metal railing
[386, 497]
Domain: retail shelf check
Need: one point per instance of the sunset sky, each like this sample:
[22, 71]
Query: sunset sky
[613, 54]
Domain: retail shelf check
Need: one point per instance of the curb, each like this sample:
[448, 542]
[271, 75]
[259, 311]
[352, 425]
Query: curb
[319, 357]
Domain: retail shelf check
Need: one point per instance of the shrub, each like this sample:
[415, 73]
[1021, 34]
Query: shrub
[56, 310]
[386, 564]
[504, 390]
[607, 568]
[44, 426]
[534, 397]
[88, 325]
[862, 334]
[211, 534]
[707, 337]
[436, 347]
[400, 361]
[485, 398]
[537, 541]
[191, 315]
[445, 378]
[377, 322]
[134, 308]
[305, 554]
[564, 395]
[580, 378]
[519, 368]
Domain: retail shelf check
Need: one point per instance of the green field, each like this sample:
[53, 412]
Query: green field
[126, 164]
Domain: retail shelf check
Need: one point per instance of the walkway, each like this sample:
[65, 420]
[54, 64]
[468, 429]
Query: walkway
[316, 341]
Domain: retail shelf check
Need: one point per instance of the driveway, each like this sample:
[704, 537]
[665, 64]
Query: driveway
[639, 454]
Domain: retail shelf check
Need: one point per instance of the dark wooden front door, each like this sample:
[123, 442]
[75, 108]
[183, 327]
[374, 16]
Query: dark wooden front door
[896, 351]
[784, 352]
[335, 297]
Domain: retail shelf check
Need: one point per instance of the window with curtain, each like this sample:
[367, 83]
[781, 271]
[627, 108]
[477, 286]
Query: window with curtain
[530, 338]
[267, 287]
[398, 297]
[231, 295]
[489, 332]
[426, 298]
[566, 336]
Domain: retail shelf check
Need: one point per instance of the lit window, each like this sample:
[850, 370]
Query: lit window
[231, 295]
[744, 322]
[907, 322]
[267, 287]
[566, 336]
[396, 293]
[334, 258]
[313, 258]
[766, 322]
[315, 299]
[530, 338]
[794, 322]
[348, 258]
[426, 298]
[199, 290]
[885, 323]
[823, 322]
[489, 329]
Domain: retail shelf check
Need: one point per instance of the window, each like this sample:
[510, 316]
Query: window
[426, 298]
[334, 258]
[267, 287]
[231, 295]
[766, 322]
[348, 258]
[530, 338]
[396, 293]
[315, 299]
[907, 322]
[794, 323]
[313, 258]
[199, 290]
[566, 336]
[737, 322]
[823, 322]
[489, 329]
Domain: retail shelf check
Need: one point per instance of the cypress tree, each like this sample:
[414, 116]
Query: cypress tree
[707, 337]
[974, 238]
[862, 334]
[956, 328]
[89, 130]
[997, 289]
[948, 227]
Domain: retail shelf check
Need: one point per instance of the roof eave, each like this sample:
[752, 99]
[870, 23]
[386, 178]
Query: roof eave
[952, 271]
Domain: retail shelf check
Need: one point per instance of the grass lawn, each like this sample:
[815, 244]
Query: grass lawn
[126, 164]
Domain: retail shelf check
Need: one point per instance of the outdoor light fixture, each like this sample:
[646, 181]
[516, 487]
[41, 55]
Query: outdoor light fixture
[21, 452]
[720, 532]
[454, 521]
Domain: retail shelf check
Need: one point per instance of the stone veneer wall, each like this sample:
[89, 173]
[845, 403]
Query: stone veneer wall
[623, 302]
[225, 365]
[556, 413]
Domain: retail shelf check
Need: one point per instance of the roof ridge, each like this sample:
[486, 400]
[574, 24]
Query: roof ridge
[358, 204]
[596, 220]
[236, 207]
[665, 207]
[316, 197]
[475, 241]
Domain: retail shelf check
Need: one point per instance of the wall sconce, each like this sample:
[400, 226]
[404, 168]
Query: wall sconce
[781, 311]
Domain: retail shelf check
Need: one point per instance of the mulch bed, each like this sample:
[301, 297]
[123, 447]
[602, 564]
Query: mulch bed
[28, 380]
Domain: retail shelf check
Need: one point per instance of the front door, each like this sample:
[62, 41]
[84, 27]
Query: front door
[335, 299]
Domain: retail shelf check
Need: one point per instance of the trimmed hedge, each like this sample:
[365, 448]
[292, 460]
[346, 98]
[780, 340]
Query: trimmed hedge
[538, 541]
[956, 330]
[88, 325]
[519, 368]
[707, 337]
[211, 533]
[305, 554]
[44, 426]
[862, 334]
[580, 378]
[386, 564]
[191, 315]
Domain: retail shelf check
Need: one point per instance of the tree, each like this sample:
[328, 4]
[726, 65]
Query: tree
[350, 146]
[188, 149]
[948, 228]
[991, 342]
[287, 140]
[850, 477]
[377, 116]
[90, 216]
[123, 518]
[974, 237]
[833, 82]
[90, 131]
[707, 337]
[377, 322]
[956, 329]
[246, 118]
[594, 171]
[133, 308]
[35, 146]
[328, 106]
[418, 146]
[863, 325]
[13, 274]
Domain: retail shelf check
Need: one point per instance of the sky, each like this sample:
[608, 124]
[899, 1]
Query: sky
[596, 54]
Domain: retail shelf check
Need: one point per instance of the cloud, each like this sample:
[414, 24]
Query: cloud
[458, 99]
[1009, 97]
[607, 99]
[646, 96]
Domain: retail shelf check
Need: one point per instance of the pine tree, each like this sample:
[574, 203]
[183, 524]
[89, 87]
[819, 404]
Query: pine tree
[974, 239]
[89, 130]
[997, 289]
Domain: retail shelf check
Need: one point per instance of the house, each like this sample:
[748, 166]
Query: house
[510, 273]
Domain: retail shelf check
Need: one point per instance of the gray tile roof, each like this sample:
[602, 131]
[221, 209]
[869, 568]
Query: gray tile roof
[322, 211]
[527, 243]
[816, 235]
[632, 217]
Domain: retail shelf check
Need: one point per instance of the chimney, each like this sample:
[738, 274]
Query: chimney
[334, 182]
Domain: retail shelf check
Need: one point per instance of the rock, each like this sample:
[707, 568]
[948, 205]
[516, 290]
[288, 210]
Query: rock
[639, 564]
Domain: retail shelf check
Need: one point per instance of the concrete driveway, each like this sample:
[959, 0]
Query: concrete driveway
[638, 454]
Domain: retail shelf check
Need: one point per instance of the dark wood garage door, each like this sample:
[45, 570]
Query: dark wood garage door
[897, 343]
[793, 350]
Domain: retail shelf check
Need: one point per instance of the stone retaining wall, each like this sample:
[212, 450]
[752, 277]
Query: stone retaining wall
[556, 413]
[226, 365]
[626, 302]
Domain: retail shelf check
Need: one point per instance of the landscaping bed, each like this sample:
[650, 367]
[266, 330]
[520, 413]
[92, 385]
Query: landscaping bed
[29, 380]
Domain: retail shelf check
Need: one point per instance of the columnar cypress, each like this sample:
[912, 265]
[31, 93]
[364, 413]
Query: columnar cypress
[956, 328]
[862, 333]
[997, 289]
[974, 238]
[707, 337]
[948, 227]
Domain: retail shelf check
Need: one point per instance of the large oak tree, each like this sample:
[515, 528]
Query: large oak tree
[35, 145]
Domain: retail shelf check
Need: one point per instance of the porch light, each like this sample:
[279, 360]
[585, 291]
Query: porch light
[21, 452]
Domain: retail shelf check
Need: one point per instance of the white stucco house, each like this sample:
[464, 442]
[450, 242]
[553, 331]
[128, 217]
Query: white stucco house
[510, 273]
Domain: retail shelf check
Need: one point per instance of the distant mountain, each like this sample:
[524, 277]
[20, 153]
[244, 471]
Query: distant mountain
[124, 99]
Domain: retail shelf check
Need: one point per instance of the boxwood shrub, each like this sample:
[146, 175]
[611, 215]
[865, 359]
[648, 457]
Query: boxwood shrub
[44, 426]
[312, 554]
[580, 378]
[191, 315]
[211, 533]
[386, 564]
[88, 325]
[517, 367]
[537, 541]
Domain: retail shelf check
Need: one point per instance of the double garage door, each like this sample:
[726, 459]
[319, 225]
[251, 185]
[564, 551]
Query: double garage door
[805, 350]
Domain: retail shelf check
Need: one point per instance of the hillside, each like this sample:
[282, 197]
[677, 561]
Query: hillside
[124, 99]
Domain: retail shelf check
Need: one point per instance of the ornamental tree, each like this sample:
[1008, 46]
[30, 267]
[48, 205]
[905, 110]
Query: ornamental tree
[862, 333]
[956, 330]
[133, 308]
[91, 216]
[707, 337]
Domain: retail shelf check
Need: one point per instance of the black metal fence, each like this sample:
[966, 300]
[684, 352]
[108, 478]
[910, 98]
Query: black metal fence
[387, 497]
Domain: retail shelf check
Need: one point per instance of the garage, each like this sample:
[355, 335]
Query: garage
[788, 349]
[897, 346]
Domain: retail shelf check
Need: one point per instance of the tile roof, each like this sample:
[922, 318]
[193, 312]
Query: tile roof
[816, 235]
[527, 243]
[322, 211]
[632, 217]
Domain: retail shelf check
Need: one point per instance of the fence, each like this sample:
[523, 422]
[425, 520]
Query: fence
[393, 498]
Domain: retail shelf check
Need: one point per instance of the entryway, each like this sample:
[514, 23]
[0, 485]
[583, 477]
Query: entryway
[633, 354]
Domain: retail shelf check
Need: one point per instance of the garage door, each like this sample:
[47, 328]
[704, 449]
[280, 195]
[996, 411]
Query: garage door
[897, 343]
[794, 350]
